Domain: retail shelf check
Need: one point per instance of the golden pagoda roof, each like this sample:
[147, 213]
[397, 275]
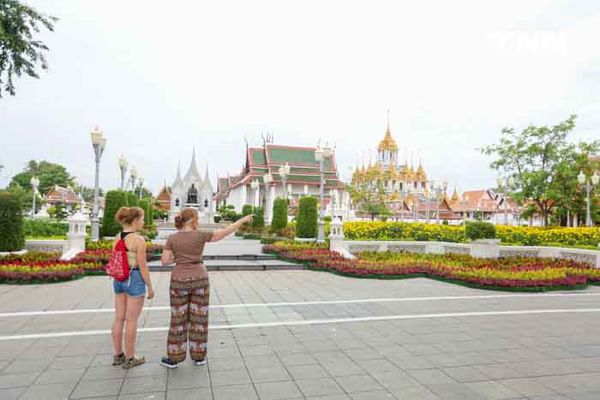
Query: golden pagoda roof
[387, 143]
[421, 172]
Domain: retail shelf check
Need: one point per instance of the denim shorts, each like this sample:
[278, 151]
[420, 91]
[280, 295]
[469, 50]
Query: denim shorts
[134, 286]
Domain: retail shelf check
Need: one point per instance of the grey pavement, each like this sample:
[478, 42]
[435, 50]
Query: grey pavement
[308, 335]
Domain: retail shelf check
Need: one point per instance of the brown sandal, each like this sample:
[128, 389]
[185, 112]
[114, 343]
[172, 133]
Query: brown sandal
[133, 362]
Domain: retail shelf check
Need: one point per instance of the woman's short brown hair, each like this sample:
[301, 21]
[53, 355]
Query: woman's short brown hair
[126, 215]
[185, 216]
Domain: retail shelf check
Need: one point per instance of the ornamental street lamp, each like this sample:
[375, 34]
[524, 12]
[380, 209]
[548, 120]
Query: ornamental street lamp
[268, 178]
[332, 195]
[35, 183]
[505, 184]
[123, 167]
[321, 153]
[256, 187]
[141, 182]
[589, 183]
[284, 172]
[402, 200]
[463, 204]
[132, 178]
[98, 143]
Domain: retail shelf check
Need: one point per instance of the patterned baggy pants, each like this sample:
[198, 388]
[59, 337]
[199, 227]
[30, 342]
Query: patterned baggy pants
[189, 319]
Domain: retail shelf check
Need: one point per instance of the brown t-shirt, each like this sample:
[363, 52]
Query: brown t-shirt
[187, 247]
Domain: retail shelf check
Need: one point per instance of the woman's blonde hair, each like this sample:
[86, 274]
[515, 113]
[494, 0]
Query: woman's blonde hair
[187, 215]
[127, 215]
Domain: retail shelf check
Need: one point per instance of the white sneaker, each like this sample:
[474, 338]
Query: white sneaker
[199, 363]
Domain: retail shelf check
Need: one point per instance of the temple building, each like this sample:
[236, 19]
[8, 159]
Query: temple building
[260, 183]
[405, 188]
[191, 190]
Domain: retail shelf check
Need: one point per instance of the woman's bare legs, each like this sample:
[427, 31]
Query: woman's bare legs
[134, 308]
[117, 328]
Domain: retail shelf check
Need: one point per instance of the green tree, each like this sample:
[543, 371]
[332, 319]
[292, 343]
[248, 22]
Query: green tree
[48, 173]
[12, 237]
[280, 214]
[58, 211]
[115, 199]
[370, 201]
[306, 220]
[540, 159]
[20, 52]
[148, 212]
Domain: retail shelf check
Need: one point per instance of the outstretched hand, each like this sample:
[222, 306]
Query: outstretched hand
[247, 219]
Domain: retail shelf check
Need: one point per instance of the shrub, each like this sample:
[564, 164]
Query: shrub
[11, 223]
[306, 221]
[40, 228]
[259, 218]
[115, 199]
[144, 204]
[247, 209]
[480, 230]
[280, 214]
[132, 200]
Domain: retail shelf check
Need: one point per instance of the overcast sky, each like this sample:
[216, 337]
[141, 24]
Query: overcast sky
[161, 77]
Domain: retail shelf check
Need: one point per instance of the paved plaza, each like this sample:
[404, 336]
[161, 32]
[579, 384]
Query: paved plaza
[309, 335]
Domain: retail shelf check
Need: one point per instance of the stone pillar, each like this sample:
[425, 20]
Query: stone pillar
[76, 236]
[269, 204]
[336, 238]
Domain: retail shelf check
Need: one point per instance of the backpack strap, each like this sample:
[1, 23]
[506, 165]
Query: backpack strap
[123, 236]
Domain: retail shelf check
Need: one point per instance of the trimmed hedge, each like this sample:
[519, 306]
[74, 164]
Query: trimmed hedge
[40, 228]
[306, 220]
[247, 209]
[12, 237]
[115, 199]
[132, 200]
[480, 230]
[259, 218]
[144, 204]
[280, 215]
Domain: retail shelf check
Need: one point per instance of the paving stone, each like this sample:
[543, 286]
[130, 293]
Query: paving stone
[358, 383]
[318, 387]
[235, 392]
[229, 377]
[187, 377]
[376, 395]
[71, 362]
[307, 371]
[268, 374]
[16, 380]
[53, 391]
[492, 390]
[144, 384]
[143, 396]
[103, 373]
[190, 394]
[97, 388]
[430, 376]
[12, 393]
[277, 390]
[60, 376]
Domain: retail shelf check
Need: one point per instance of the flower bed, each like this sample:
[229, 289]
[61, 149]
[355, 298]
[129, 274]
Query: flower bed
[515, 235]
[38, 267]
[511, 273]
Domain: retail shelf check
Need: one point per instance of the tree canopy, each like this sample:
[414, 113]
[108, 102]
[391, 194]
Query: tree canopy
[544, 165]
[20, 52]
[48, 173]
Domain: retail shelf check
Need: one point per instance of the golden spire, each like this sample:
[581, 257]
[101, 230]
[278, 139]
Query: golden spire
[455, 197]
[388, 143]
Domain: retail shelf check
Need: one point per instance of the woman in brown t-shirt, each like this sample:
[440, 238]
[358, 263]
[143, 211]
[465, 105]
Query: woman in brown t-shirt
[189, 289]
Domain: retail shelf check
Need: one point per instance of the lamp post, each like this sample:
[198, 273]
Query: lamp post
[504, 184]
[35, 183]
[268, 178]
[332, 202]
[402, 199]
[132, 178]
[98, 143]
[256, 187]
[463, 203]
[589, 183]
[123, 167]
[141, 182]
[284, 172]
[321, 153]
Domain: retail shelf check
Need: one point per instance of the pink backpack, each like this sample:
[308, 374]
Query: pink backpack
[118, 265]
